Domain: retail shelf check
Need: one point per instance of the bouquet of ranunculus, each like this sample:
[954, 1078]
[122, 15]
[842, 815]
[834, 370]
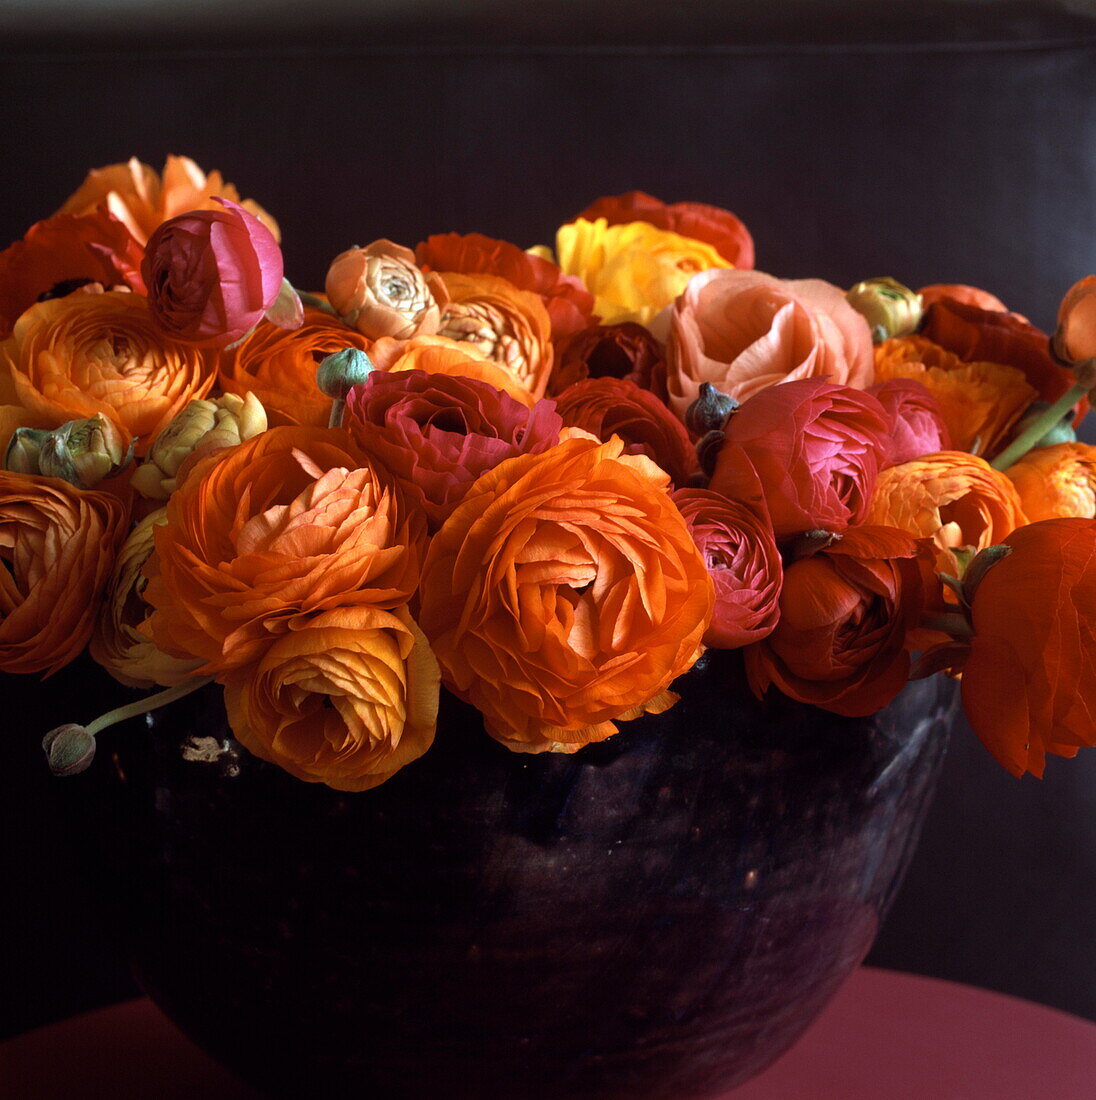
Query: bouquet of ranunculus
[545, 479]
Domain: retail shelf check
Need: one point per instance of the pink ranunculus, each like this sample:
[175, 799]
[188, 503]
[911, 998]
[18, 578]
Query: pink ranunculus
[744, 331]
[917, 420]
[739, 549]
[211, 275]
[816, 449]
[437, 433]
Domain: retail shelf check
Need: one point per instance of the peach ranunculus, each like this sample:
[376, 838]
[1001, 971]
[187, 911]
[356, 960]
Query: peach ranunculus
[440, 355]
[1075, 336]
[711, 224]
[70, 358]
[980, 402]
[262, 537]
[118, 644]
[627, 351]
[57, 546]
[1030, 678]
[845, 615]
[744, 331]
[508, 325]
[1056, 481]
[279, 367]
[961, 292]
[346, 700]
[958, 500]
[633, 270]
[565, 594]
[141, 199]
[568, 302]
[380, 291]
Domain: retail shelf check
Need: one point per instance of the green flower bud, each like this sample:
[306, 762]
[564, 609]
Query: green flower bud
[85, 452]
[710, 411]
[339, 372]
[70, 749]
[890, 308]
[23, 450]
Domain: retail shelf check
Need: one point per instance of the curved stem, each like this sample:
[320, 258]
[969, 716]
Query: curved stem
[143, 706]
[953, 623]
[1039, 427]
[315, 301]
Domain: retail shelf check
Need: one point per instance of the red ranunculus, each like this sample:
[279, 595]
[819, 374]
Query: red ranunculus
[614, 406]
[626, 351]
[961, 292]
[437, 433]
[917, 420]
[711, 224]
[816, 448]
[211, 275]
[845, 613]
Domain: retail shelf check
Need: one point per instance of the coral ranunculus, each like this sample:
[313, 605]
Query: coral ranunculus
[1056, 481]
[745, 331]
[958, 500]
[57, 548]
[346, 700]
[1075, 337]
[626, 351]
[1029, 683]
[264, 536]
[564, 595]
[845, 613]
[70, 358]
[961, 292]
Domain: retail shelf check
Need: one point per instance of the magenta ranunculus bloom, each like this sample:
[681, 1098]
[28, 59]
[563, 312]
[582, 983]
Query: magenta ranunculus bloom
[211, 275]
[917, 421]
[437, 433]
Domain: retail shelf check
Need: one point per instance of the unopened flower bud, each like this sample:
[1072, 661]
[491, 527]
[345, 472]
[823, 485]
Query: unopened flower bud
[85, 452]
[341, 371]
[23, 450]
[707, 449]
[69, 749]
[890, 308]
[710, 411]
[1075, 338]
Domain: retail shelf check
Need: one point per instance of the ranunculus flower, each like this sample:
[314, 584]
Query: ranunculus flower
[568, 302]
[279, 366]
[70, 358]
[711, 224]
[917, 420]
[980, 402]
[889, 307]
[745, 331]
[614, 406]
[634, 270]
[816, 449]
[57, 548]
[564, 595]
[212, 275]
[1056, 481]
[626, 350]
[141, 199]
[380, 291]
[440, 355]
[958, 500]
[508, 325]
[739, 549]
[262, 537]
[961, 292]
[437, 433]
[1075, 337]
[118, 644]
[64, 252]
[346, 700]
[1030, 680]
[845, 613]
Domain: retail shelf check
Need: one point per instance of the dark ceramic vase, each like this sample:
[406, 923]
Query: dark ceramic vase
[660, 915]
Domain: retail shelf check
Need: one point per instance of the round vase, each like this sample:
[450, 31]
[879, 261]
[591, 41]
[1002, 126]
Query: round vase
[660, 915]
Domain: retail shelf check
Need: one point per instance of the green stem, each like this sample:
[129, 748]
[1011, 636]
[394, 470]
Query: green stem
[150, 702]
[338, 406]
[315, 301]
[1039, 427]
[953, 623]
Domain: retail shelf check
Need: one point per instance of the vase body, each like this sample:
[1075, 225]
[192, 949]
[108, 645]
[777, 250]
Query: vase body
[660, 915]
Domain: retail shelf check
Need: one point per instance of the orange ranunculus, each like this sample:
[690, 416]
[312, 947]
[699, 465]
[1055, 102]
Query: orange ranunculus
[744, 331]
[1030, 679]
[711, 224]
[57, 545]
[63, 252]
[1075, 337]
[956, 499]
[980, 402]
[70, 358]
[564, 594]
[279, 367]
[845, 614]
[264, 536]
[961, 292]
[508, 325]
[440, 355]
[141, 199]
[346, 700]
[627, 351]
[1056, 481]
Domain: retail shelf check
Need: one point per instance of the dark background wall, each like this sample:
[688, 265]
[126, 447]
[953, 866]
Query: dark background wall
[950, 141]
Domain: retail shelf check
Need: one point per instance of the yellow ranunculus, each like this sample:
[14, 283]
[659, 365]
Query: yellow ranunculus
[633, 270]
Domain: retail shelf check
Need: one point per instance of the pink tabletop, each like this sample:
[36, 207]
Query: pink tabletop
[886, 1036]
